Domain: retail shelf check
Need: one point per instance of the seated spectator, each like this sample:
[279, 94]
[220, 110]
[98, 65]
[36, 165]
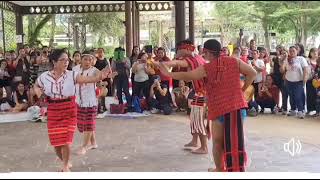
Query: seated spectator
[190, 99]
[180, 96]
[268, 95]
[159, 99]
[21, 98]
[253, 107]
[5, 103]
[5, 78]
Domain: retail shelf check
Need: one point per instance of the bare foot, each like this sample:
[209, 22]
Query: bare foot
[200, 151]
[82, 151]
[69, 165]
[213, 170]
[65, 169]
[95, 146]
[191, 144]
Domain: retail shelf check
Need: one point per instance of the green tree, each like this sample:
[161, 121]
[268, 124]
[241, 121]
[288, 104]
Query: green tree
[36, 24]
[102, 25]
[300, 17]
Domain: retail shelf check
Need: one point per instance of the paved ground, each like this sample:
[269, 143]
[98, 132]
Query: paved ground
[154, 144]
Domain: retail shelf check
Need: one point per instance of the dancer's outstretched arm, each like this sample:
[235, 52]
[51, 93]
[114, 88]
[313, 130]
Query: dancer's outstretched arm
[196, 74]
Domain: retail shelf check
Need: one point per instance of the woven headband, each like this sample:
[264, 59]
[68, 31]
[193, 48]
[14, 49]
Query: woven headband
[87, 55]
[188, 47]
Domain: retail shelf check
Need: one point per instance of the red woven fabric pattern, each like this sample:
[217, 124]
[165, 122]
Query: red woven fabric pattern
[87, 119]
[62, 120]
[223, 87]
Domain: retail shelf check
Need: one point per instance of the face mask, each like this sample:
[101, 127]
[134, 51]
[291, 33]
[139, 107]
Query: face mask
[119, 55]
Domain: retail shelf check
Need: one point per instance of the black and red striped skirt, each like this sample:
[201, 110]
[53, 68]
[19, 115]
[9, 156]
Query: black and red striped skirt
[87, 119]
[235, 156]
[62, 121]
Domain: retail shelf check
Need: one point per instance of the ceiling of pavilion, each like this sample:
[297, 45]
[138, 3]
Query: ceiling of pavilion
[55, 3]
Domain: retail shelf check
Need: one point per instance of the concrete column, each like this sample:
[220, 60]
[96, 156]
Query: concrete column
[129, 38]
[191, 21]
[19, 29]
[180, 18]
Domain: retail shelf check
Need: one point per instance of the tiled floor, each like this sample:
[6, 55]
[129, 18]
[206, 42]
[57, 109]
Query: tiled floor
[154, 144]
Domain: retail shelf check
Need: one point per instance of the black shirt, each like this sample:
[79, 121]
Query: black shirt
[100, 64]
[162, 99]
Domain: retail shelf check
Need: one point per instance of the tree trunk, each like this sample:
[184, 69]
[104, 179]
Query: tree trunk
[266, 33]
[53, 31]
[35, 34]
[222, 39]
[31, 23]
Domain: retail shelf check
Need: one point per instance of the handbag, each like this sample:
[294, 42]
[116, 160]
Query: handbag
[117, 109]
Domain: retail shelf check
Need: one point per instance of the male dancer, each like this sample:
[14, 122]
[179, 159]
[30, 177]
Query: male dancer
[225, 101]
[187, 61]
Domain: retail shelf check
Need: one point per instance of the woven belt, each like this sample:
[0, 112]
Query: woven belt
[54, 101]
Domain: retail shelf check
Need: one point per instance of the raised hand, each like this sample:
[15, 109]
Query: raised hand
[164, 70]
[105, 73]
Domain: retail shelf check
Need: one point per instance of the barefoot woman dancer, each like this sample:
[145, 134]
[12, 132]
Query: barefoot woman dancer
[226, 99]
[87, 103]
[58, 86]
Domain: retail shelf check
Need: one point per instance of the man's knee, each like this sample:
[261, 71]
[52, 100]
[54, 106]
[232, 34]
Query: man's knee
[167, 110]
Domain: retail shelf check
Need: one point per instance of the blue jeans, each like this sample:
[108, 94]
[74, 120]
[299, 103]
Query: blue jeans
[285, 96]
[296, 94]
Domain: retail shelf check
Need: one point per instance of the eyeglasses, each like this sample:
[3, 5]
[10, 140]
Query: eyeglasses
[63, 59]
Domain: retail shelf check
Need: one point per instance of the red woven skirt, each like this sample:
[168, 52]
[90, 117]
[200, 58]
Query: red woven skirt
[62, 121]
[87, 118]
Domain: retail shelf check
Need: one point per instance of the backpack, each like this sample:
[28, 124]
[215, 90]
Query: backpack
[136, 104]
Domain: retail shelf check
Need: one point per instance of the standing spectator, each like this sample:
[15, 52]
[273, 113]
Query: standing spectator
[5, 79]
[225, 51]
[278, 76]
[259, 66]
[252, 47]
[311, 91]
[244, 54]
[121, 65]
[141, 78]
[134, 58]
[300, 49]
[22, 68]
[236, 52]
[296, 68]
[162, 57]
[200, 50]
[43, 62]
[100, 64]
[75, 60]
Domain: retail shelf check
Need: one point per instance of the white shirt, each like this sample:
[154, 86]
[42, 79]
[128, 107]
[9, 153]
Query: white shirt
[86, 93]
[141, 74]
[295, 70]
[260, 64]
[63, 87]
